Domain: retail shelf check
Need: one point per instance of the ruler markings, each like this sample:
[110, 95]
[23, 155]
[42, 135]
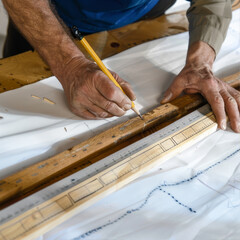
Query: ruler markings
[107, 177]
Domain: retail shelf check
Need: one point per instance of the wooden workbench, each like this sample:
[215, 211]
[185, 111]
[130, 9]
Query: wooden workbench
[28, 67]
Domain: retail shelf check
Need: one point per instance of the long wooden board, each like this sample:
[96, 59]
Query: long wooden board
[40, 219]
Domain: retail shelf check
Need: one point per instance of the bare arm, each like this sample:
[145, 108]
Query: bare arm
[89, 92]
[45, 33]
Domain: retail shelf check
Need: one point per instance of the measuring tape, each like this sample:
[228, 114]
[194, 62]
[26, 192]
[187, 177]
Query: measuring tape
[42, 211]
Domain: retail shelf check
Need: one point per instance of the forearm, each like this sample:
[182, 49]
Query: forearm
[39, 25]
[209, 21]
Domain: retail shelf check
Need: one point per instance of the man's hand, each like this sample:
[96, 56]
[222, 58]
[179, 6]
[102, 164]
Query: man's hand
[197, 77]
[91, 94]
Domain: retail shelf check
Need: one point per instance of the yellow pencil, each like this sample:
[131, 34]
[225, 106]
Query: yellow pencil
[100, 64]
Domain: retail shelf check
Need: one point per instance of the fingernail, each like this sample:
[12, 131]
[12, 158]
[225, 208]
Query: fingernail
[223, 125]
[167, 97]
[127, 107]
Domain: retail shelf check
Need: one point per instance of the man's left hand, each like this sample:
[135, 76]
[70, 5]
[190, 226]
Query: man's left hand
[197, 77]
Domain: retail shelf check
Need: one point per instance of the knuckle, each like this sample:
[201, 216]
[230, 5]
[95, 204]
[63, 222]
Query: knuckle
[230, 99]
[218, 99]
[103, 114]
[120, 113]
[124, 103]
[237, 97]
[109, 106]
[211, 81]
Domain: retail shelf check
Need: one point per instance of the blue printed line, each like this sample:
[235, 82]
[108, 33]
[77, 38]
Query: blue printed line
[150, 194]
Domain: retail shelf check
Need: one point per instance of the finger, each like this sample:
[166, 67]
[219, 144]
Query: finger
[89, 106]
[84, 113]
[217, 104]
[126, 87]
[99, 112]
[232, 110]
[174, 90]
[108, 106]
[236, 94]
[112, 93]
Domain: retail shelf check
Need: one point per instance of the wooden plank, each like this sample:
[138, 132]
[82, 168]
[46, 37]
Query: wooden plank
[86, 152]
[21, 70]
[36, 221]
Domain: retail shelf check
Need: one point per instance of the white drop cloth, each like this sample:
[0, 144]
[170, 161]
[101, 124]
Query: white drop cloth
[213, 196]
[32, 130]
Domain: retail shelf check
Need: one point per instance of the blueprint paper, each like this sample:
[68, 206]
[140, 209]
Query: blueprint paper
[32, 130]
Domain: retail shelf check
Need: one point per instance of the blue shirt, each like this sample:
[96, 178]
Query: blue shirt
[96, 15]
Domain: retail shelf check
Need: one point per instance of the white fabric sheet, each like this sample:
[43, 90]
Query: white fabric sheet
[213, 197]
[32, 130]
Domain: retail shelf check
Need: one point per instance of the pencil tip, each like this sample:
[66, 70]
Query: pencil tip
[137, 112]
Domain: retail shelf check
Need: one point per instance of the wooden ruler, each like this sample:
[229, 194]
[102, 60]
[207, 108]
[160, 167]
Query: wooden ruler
[49, 207]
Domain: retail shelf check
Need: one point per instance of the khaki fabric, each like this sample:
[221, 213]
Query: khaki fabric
[209, 21]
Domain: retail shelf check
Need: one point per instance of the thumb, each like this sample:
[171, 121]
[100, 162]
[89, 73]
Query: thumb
[173, 91]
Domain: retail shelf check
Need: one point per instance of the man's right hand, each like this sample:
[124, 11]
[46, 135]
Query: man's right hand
[91, 94]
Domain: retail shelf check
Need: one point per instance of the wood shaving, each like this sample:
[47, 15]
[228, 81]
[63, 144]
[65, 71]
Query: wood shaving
[48, 100]
[36, 97]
